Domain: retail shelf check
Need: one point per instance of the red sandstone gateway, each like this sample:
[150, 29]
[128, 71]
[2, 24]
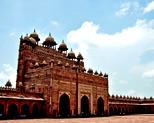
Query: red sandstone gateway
[52, 83]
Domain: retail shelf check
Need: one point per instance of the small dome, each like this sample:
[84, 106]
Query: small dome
[71, 55]
[32, 40]
[67, 65]
[35, 36]
[8, 84]
[20, 84]
[32, 86]
[49, 41]
[36, 64]
[96, 73]
[90, 71]
[60, 63]
[105, 75]
[113, 96]
[52, 61]
[74, 67]
[150, 98]
[120, 96]
[117, 96]
[62, 46]
[26, 38]
[80, 57]
[83, 69]
[100, 74]
[44, 62]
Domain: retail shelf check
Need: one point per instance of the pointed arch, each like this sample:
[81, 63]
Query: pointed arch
[85, 105]
[35, 111]
[123, 110]
[100, 106]
[115, 110]
[119, 110]
[12, 111]
[1, 110]
[25, 111]
[64, 105]
[111, 110]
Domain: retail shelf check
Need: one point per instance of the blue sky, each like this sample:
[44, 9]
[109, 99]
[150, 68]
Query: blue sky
[116, 37]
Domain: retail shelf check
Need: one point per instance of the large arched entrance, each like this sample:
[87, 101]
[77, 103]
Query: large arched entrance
[12, 112]
[85, 105]
[25, 111]
[35, 111]
[130, 110]
[127, 110]
[115, 110]
[123, 110]
[1, 110]
[133, 110]
[100, 106]
[119, 110]
[64, 106]
[111, 111]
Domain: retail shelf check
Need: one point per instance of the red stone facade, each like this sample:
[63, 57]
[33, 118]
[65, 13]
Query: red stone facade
[130, 105]
[43, 69]
[52, 83]
[17, 104]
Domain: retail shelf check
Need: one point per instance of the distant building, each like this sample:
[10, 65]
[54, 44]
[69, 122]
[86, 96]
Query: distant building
[54, 83]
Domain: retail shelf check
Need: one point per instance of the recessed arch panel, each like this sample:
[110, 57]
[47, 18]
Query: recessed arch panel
[100, 106]
[64, 105]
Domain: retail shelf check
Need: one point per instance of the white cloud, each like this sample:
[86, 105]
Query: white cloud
[118, 52]
[55, 23]
[148, 74]
[88, 34]
[125, 7]
[123, 82]
[12, 34]
[8, 73]
[149, 7]
[131, 92]
[143, 69]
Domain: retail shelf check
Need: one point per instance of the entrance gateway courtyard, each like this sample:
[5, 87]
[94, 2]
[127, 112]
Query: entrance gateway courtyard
[141, 118]
[53, 83]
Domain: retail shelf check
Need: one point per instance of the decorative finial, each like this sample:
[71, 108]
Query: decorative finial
[71, 49]
[34, 30]
[63, 41]
[49, 34]
[27, 34]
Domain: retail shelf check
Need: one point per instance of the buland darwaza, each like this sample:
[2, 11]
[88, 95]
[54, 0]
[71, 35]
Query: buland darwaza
[54, 83]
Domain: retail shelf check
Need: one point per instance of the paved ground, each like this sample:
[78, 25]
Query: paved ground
[145, 118]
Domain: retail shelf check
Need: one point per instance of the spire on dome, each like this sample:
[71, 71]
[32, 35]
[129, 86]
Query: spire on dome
[71, 55]
[62, 46]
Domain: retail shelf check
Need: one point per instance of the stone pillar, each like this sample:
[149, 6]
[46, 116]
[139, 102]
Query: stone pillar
[19, 110]
[50, 91]
[7, 108]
